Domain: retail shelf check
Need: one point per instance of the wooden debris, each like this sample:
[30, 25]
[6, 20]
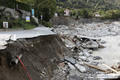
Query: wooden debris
[111, 69]
[95, 67]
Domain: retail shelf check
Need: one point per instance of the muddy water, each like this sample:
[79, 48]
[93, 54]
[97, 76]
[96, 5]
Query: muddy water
[111, 54]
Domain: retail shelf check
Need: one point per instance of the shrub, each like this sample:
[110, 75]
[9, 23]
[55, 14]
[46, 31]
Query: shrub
[47, 24]
[18, 23]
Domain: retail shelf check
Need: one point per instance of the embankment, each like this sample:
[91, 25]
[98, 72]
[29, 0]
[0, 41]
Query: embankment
[40, 55]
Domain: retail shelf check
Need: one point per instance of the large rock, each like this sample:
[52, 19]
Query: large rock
[86, 37]
[86, 54]
[74, 72]
[71, 60]
[91, 44]
[71, 66]
[80, 68]
[15, 13]
[81, 54]
[102, 42]
[69, 43]
[97, 58]
[84, 58]
[74, 77]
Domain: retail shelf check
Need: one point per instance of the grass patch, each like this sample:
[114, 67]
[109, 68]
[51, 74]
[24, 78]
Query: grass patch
[47, 24]
[18, 23]
[25, 26]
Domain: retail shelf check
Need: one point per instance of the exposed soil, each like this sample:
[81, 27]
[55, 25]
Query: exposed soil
[40, 56]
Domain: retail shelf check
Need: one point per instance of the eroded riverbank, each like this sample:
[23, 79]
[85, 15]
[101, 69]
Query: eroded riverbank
[102, 40]
[40, 56]
[66, 55]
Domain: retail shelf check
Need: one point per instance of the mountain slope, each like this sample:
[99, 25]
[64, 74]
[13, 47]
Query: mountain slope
[93, 4]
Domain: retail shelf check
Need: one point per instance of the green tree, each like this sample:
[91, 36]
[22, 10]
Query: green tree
[112, 14]
[84, 13]
[60, 11]
[42, 7]
[26, 1]
[101, 12]
[45, 8]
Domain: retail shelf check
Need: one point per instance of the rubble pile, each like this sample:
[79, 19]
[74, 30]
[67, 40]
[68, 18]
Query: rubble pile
[90, 29]
[81, 64]
[77, 63]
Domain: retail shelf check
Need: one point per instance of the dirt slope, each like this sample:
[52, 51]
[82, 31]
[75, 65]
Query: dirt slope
[40, 56]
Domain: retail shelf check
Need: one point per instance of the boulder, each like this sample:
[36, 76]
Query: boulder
[102, 42]
[86, 54]
[80, 68]
[91, 44]
[81, 54]
[97, 58]
[71, 60]
[71, 66]
[84, 58]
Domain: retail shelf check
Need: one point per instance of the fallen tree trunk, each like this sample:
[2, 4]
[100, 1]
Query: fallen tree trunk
[96, 67]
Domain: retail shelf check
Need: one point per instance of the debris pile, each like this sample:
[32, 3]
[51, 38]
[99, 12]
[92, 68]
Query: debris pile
[81, 64]
[38, 50]
[90, 29]
[82, 50]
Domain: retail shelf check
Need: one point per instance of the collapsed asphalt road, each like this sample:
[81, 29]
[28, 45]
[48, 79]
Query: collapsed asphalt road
[39, 49]
[91, 52]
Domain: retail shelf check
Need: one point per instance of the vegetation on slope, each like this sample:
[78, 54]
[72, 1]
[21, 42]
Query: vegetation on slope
[91, 4]
[39, 5]
[108, 9]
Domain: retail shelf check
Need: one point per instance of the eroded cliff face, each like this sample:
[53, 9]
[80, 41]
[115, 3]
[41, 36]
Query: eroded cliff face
[40, 56]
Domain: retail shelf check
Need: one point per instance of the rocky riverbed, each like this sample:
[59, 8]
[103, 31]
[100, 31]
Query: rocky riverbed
[80, 51]
[95, 51]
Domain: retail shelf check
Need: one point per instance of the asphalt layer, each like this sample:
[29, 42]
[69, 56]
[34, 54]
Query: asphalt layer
[14, 35]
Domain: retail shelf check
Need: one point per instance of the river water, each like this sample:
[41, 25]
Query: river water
[111, 53]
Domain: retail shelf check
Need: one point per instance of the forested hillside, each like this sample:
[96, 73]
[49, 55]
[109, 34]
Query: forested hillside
[92, 4]
[43, 10]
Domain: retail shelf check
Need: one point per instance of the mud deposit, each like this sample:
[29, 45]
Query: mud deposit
[40, 56]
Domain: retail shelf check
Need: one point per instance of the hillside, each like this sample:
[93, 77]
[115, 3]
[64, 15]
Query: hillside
[92, 4]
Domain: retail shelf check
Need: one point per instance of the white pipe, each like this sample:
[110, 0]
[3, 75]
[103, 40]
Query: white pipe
[15, 60]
